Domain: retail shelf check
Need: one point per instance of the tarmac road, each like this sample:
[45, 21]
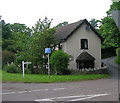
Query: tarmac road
[92, 90]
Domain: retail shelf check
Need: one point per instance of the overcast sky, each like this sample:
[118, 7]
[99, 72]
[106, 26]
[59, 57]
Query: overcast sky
[29, 11]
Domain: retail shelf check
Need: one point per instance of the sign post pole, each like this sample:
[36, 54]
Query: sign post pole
[48, 51]
[23, 68]
[48, 66]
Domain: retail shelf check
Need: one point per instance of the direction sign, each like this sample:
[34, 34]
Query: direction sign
[47, 50]
[116, 17]
[27, 62]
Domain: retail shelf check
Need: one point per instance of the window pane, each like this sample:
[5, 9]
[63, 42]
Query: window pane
[84, 44]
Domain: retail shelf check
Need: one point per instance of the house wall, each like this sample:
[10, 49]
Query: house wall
[72, 46]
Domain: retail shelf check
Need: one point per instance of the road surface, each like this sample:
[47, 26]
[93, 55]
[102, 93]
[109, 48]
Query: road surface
[93, 90]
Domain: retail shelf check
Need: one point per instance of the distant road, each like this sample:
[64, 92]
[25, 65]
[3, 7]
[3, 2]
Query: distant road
[112, 67]
[92, 90]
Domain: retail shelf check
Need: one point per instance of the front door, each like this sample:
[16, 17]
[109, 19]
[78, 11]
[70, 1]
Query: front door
[85, 64]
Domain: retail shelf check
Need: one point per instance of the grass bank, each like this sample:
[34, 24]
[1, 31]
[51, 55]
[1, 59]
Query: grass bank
[38, 78]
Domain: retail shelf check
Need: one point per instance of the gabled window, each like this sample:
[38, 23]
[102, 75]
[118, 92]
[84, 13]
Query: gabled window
[84, 44]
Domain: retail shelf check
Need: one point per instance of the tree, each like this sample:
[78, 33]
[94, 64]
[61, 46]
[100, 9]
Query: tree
[62, 24]
[21, 34]
[109, 30]
[43, 38]
[33, 48]
[95, 23]
[6, 35]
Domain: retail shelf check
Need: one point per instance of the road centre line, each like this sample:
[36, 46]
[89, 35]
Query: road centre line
[81, 97]
[32, 91]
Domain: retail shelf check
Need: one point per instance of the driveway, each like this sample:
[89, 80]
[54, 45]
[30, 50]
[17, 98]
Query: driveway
[112, 67]
[92, 90]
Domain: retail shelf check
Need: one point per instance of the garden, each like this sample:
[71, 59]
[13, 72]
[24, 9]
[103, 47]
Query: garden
[21, 43]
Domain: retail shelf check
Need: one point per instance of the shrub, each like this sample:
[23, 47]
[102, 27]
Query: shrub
[7, 57]
[11, 68]
[59, 62]
[117, 60]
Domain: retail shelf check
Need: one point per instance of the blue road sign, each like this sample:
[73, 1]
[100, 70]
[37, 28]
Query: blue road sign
[47, 50]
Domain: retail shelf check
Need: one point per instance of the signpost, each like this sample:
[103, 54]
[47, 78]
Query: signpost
[48, 51]
[23, 69]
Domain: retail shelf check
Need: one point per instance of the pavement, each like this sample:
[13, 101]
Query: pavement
[92, 90]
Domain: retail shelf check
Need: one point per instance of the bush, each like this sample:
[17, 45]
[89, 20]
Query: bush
[117, 60]
[59, 62]
[11, 68]
[7, 57]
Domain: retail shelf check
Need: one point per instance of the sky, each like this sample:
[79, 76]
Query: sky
[28, 12]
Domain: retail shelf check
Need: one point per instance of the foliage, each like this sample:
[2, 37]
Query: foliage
[13, 35]
[33, 47]
[43, 38]
[117, 60]
[6, 35]
[95, 23]
[11, 68]
[37, 78]
[7, 57]
[59, 61]
[62, 24]
[21, 36]
[109, 30]
[108, 52]
[18, 61]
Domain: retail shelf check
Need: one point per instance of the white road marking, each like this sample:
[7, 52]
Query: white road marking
[23, 92]
[80, 97]
[8, 93]
[58, 88]
[38, 90]
[32, 91]
[89, 97]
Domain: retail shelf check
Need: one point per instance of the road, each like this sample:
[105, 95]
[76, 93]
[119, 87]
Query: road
[93, 90]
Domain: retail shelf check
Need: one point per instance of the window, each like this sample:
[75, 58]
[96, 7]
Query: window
[84, 44]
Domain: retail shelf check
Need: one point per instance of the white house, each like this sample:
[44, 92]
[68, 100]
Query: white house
[82, 42]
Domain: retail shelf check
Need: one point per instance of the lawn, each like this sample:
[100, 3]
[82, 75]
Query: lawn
[39, 78]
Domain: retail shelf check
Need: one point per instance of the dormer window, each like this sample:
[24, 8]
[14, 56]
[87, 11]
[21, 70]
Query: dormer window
[84, 44]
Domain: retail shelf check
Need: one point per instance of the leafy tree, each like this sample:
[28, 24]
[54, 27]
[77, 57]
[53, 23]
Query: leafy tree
[21, 34]
[33, 47]
[43, 38]
[109, 30]
[59, 61]
[95, 23]
[6, 35]
[62, 24]
[20, 28]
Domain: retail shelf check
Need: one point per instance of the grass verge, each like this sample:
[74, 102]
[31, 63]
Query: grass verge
[39, 78]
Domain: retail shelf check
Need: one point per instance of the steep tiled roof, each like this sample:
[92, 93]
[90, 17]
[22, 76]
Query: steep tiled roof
[64, 32]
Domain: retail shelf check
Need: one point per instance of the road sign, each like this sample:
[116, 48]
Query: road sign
[116, 17]
[47, 50]
[23, 69]
[27, 62]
